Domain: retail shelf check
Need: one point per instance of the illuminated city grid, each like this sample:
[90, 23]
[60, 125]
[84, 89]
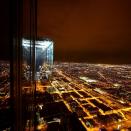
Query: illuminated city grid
[99, 95]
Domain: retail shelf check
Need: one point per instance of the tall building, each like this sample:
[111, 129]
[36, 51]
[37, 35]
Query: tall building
[28, 58]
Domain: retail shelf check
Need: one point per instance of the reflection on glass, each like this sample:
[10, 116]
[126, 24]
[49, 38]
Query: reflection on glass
[37, 60]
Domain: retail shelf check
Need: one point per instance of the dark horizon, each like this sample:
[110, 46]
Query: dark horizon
[83, 31]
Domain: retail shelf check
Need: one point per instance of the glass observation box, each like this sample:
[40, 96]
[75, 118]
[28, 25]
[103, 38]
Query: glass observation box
[43, 58]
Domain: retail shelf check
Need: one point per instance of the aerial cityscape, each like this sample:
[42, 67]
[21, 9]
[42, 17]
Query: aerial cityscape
[65, 65]
[77, 96]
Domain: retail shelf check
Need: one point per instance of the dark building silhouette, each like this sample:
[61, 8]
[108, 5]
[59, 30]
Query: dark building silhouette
[23, 105]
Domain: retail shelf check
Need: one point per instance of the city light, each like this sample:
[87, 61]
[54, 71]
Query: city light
[96, 97]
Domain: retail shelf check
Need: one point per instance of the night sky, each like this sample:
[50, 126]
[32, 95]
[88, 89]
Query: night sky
[95, 31]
